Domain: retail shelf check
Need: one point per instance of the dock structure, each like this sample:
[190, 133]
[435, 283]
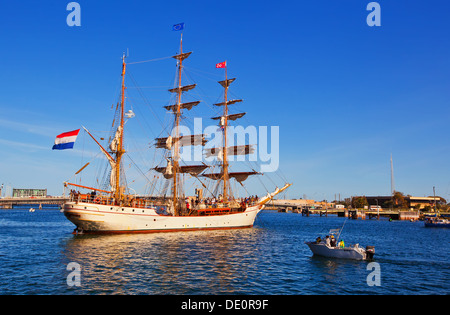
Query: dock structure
[362, 214]
[305, 209]
[391, 214]
[10, 203]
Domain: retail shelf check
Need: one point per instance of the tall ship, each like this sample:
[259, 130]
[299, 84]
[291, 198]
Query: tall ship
[117, 210]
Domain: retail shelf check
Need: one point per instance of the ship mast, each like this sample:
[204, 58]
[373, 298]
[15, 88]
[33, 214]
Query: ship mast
[175, 156]
[120, 151]
[225, 146]
[224, 151]
[175, 141]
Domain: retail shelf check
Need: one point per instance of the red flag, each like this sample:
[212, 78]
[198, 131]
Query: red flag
[221, 65]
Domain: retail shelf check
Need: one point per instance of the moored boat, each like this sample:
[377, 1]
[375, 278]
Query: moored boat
[437, 222]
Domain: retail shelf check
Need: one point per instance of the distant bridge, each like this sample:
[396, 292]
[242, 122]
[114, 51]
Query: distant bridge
[9, 203]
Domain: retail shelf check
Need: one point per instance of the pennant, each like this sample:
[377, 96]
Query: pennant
[178, 27]
[66, 140]
[221, 65]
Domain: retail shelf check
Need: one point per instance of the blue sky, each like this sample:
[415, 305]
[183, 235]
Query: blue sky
[344, 94]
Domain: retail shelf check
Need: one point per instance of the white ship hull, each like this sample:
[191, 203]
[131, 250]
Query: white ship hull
[96, 218]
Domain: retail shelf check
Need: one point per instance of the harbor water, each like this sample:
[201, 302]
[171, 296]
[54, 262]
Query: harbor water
[270, 258]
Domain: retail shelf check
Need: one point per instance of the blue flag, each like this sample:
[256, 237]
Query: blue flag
[178, 27]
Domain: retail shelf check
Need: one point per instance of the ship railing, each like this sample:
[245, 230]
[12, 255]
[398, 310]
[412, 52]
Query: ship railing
[110, 201]
[102, 200]
[220, 204]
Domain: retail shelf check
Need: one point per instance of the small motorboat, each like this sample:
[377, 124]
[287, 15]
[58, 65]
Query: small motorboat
[32, 210]
[352, 252]
[331, 247]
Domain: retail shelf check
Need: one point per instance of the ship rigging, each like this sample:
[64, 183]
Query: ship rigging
[114, 209]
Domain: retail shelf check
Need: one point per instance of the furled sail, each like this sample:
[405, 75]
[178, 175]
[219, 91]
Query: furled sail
[187, 106]
[228, 102]
[182, 56]
[234, 150]
[193, 170]
[226, 83]
[183, 88]
[112, 176]
[168, 142]
[239, 176]
[230, 117]
[114, 145]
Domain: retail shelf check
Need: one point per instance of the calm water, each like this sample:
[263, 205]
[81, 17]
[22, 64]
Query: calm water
[271, 258]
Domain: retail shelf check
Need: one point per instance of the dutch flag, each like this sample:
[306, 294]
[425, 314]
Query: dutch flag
[66, 140]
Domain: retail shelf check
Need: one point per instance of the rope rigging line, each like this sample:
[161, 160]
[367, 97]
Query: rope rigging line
[144, 98]
[150, 60]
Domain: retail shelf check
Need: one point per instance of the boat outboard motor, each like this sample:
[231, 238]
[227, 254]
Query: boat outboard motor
[370, 251]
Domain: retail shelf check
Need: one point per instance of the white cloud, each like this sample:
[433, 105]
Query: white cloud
[40, 129]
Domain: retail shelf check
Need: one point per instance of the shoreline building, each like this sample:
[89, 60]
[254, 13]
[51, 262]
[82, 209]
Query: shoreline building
[27, 192]
[412, 201]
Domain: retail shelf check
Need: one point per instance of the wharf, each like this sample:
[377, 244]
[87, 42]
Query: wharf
[364, 214]
[10, 203]
[348, 213]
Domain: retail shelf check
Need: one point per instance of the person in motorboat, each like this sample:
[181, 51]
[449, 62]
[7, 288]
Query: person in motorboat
[327, 240]
[333, 241]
